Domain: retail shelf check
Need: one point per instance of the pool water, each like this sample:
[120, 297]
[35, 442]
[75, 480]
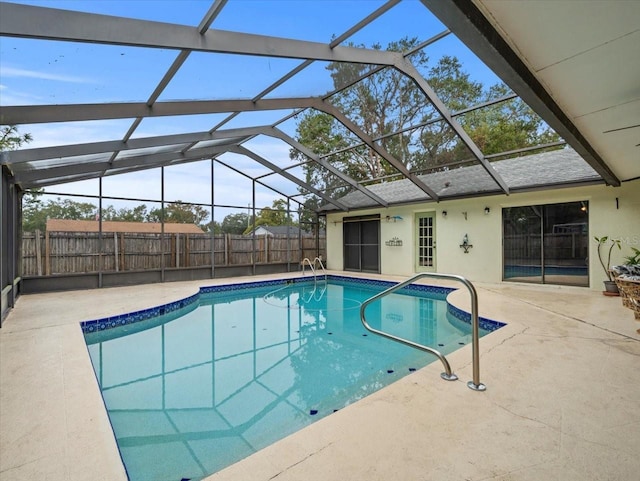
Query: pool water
[536, 271]
[199, 388]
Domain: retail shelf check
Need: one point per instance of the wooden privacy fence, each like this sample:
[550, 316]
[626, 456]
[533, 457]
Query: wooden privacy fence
[559, 248]
[77, 252]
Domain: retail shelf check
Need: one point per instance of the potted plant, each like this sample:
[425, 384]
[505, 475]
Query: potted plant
[610, 284]
[633, 259]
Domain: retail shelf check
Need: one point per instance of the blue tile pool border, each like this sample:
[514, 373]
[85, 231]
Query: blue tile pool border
[485, 324]
[144, 314]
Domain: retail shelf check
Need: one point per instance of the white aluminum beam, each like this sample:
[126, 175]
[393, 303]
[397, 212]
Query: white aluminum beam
[14, 157]
[212, 13]
[143, 161]
[38, 114]
[408, 69]
[53, 24]
[378, 149]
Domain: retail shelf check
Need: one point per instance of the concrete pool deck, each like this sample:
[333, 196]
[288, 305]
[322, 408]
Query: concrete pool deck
[562, 399]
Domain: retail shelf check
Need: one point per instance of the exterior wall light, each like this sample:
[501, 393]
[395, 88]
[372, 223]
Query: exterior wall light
[465, 244]
[487, 210]
[444, 214]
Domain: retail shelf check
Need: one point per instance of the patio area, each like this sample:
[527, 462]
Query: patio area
[562, 399]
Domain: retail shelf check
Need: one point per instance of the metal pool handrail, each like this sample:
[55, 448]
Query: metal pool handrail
[319, 261]
[308, 261]
[448, 375]
[312, 266]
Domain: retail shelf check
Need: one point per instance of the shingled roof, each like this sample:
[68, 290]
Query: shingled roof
[67, 225]
[558, 167]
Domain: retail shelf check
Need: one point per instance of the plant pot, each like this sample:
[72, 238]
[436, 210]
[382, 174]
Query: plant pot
[611, 289]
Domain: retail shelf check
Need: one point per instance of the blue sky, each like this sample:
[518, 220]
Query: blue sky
[37, 72]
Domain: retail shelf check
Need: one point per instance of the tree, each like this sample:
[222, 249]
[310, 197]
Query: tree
[506, 126]
[381, 104]
[275, 215]
[35, 213]
[10, 139]
[437, 144]
[180, 213]
[235, 223]
[31, 205]
[388, 101]
[134, 214]
[214, 226]
[322, 134]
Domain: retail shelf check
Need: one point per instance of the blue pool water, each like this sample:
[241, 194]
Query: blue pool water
[536, 271]
[193, 387]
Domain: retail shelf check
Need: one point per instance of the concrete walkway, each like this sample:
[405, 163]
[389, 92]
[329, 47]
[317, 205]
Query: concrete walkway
[562, 399]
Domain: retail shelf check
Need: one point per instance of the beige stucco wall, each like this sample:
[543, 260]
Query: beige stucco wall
[484, 260]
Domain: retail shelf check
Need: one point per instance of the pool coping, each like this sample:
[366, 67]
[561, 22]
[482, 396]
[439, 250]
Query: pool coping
[111, 322]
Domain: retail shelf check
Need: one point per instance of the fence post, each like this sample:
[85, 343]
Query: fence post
[177, 262]
[38, 252]
[115, 252]
[187, 253]
[172, 248]
[47, 254]
[226, 249]
[123, 253]
[266, 249]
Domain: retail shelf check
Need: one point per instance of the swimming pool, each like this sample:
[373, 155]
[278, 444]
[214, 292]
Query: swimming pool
[196, 385]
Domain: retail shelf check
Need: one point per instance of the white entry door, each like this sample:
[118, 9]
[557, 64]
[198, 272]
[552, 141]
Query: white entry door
[425, 242]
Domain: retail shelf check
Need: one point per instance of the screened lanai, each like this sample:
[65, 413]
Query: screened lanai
[236, 108]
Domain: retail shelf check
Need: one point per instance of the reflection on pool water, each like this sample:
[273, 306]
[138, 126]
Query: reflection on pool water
[201, 387]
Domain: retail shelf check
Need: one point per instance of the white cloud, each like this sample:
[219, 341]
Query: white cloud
[9, 96]
[24, 73]
[274, 150]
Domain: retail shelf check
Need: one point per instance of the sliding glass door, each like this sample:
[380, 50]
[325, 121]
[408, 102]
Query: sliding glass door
[362, 244]
[546, 244]
[522, 246]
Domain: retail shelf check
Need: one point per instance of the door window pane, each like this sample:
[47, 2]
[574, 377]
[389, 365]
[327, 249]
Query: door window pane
[547, 243]
[352, 258]
[566, 244]
[522, 227]
[370, 258]
[425, 242]
[351, 233]
[370, 231]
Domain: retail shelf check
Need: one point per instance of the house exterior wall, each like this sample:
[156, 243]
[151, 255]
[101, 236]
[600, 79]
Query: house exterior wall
[484, 262]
